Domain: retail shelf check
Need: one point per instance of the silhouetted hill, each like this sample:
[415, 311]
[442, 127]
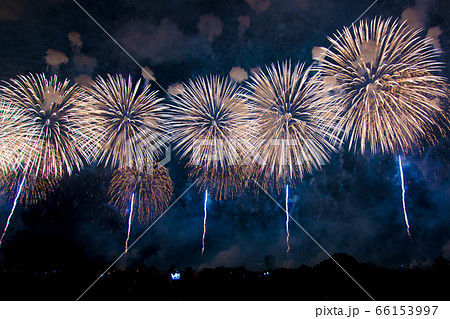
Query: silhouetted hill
[325, 281]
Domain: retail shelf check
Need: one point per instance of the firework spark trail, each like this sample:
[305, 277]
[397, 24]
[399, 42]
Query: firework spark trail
[13, 208]
[403, 195]
[129, 222]
[204, 221]
[287, 220]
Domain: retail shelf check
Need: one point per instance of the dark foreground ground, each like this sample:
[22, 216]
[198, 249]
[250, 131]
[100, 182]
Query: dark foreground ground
[325, 281]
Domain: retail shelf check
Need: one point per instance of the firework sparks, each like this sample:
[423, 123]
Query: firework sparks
[130, 125]
[129, 222]
[204, 221]
[379, 75]
[12, 209]
[403, 195]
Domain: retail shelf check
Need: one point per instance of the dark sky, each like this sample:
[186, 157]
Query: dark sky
[353, 205]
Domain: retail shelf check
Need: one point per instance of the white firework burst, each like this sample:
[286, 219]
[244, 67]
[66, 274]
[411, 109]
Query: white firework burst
[293, 127]
[59, 135]
[381, 76]
[130, 124]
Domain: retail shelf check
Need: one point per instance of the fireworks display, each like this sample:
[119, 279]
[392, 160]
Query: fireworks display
[379, 75]
[292, 125]
[253, 153]
[58, 133]
[129, 125]
[152, 188]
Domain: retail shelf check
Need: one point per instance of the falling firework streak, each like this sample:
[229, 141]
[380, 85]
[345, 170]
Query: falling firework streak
[129, 223]
[287, 220]
[204, 221]
[13, 208]
[403, 194]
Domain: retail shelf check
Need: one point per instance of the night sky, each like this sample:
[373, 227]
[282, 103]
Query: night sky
[353, 205]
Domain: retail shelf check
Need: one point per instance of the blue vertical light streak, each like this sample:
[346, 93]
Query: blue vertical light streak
[129, 222]
[403, 195]
[13, 208]
[287, 220]
[205, 212]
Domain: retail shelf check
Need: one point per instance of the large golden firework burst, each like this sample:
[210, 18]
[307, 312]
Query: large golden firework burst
[381, 77]
[152, 188]
[58, 134]
[130, 124]
[292, 125]
[211, 128]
